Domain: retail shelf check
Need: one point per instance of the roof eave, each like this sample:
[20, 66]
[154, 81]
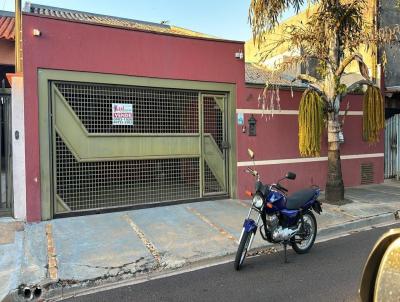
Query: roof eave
[6, 13]
[133, 29]
[392, 89]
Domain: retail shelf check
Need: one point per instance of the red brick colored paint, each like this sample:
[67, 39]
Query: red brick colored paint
[308, 174]
[83, 47]
[277, 138]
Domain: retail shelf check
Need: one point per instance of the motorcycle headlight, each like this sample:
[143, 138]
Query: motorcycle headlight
[258, 201]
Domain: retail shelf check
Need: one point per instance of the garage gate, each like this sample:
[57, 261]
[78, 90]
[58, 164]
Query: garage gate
[118, 146]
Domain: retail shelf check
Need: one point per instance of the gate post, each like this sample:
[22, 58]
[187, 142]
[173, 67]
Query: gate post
[18, 145]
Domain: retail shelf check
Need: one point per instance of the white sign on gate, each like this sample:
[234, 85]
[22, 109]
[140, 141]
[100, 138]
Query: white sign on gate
[122, 114]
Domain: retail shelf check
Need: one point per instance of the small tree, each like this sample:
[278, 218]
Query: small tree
[332, 36]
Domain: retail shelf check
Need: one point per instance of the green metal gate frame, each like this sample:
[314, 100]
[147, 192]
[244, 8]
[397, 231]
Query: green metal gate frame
[45, 78]
[209, 147]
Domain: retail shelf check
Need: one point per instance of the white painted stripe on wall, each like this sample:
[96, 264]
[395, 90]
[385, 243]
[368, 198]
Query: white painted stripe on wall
[358, 156]
[304, 160]
[286, 112]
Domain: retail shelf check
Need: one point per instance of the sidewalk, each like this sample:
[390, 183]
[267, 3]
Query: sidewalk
[91, 250]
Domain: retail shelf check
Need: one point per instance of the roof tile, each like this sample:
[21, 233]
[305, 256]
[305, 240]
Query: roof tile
[109, 20]
[7, 25]
[257, 74]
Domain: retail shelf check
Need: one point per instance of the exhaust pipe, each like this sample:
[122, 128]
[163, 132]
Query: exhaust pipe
[37, 292]
[31, 292]
[27, 293]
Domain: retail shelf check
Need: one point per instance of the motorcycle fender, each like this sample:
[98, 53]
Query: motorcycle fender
[250, 225]
[317, 207]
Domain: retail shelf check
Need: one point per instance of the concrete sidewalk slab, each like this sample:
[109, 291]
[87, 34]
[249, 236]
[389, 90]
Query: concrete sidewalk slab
[8, 228]
[331, 215]
[11, 256]
[34, 262]
[384, 188]
[369, 195]
[360, 210]
[90, 247]
[179, 235]
[228, 214]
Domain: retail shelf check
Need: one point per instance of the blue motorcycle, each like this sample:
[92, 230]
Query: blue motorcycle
[287, 220]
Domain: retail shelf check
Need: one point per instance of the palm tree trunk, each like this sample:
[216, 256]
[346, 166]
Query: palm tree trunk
[334, 190]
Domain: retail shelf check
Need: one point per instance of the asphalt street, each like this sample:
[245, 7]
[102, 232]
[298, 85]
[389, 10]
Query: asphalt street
[329, 272]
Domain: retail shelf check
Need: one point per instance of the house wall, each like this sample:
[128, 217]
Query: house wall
[276, 145]
[7, 55]
[76, 46]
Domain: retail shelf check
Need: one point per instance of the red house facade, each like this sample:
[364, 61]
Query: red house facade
[180, 138]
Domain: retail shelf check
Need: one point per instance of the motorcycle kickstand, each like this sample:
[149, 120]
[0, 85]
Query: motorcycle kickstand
[285, 251]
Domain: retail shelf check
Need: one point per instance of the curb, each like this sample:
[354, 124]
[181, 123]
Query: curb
[357, 224]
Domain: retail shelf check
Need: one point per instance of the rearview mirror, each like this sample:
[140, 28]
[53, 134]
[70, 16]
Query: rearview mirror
[380, 276]
[251, 153]
[291, 176]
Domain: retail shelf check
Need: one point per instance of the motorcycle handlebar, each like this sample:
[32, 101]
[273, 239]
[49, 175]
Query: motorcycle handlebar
[252, 172]
[255, 174]
[280, 187]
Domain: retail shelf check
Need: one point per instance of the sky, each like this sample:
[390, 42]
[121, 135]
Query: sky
[226, 19]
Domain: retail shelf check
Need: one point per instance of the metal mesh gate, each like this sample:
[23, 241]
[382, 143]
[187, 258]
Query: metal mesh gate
[155, 110]
[93, 185]
[392, 147]
[213, 121]
[6, 191]
[90, 183]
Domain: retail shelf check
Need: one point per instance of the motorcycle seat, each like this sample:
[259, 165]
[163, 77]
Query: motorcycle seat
[299, 199]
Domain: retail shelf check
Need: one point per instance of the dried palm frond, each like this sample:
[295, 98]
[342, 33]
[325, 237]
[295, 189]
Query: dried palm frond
[311, 122]
[373, 114]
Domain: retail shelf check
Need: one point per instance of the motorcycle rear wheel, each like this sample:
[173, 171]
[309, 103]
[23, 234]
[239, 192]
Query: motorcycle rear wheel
[302, 244]
[242, 249]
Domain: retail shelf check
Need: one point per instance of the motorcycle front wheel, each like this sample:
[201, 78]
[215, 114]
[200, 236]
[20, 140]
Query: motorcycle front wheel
[242, 249]
[303, 242]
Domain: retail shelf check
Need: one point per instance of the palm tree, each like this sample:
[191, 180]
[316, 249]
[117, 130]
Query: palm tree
[332, 36]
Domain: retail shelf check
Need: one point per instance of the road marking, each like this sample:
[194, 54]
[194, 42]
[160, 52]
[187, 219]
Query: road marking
[213, 225]
[147, 243]
[51, 253]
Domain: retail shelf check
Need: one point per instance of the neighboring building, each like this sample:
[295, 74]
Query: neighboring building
[390, 16]
[7, 55]
[119, 113]
[283, 52]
